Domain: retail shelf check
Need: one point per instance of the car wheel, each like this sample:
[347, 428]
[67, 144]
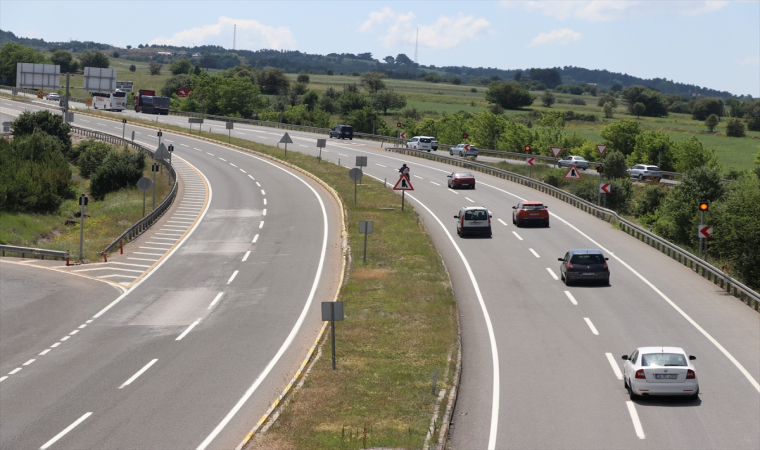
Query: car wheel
[567, 281]
[631, 395]
[518, 224]
[625, 382]
[513, 220]
[350, 139]
[547, 224]
[641, 178]
[561, 276]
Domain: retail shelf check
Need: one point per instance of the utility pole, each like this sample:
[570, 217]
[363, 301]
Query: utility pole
[82, 202]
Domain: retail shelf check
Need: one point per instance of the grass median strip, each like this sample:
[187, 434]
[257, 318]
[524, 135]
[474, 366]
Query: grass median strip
[400, 326]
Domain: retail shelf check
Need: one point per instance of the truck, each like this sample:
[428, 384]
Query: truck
[147, 102]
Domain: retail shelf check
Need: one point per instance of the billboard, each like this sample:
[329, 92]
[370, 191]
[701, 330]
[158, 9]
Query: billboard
[125, 86]
[183, 92]
[99, 80]
[38, 76]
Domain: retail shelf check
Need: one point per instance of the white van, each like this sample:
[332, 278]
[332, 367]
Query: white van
[421, 143]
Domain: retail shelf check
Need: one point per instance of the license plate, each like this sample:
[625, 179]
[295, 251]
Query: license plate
[588, 274]
[532, 214]
[665, 376]
[465, 184]
[474, 223]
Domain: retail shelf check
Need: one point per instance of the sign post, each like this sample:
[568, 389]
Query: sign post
[398, 131]
[82, 202]
[599, 170]
[192, 120]
[403, 185]
[528, 160]
[154, 168]
[366, 227]
[144, 184]
[123, 128]
[356, 175]
[703, 232]
[321, 143]
[361, 161]
[332, 311]
[286, 140]
[229, 131]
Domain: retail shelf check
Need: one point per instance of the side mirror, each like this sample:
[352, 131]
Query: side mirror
[456, 217]
[490, 216]
[560, 259]
[546, 207]
[692, 357]
[606, 259]
[514, 207]
[448, 176]
[625, 357]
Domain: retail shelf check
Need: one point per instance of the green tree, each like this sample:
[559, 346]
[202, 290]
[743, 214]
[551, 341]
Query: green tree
[509, 95]
[690, 154]
[118, 170]
[94, 59]
[303, 78]
[132, 68]
[711, 122]
[175, 83]
[451, 127]
[352, 101]
[651, 199]
[615, 166]
[639, 109]
[388, 99]
[13, 53]
[647, 150]
[91, 156]
[197, 69]
[328, 104]
[608, 110]
[621, 192]
[310, 99]
[705, 106]
[607, 98]
[45, 121]
[273, 81]
[483, 128]
[735, 127]
[752, 115]
[654, 104]
[363, 120]
[621, 135]
[154, 68]
[181, 66]
[115, 54]
[550, 133]
[548, 98]
[373, 81]
[65, 60]
[737, 230]
[239, 98]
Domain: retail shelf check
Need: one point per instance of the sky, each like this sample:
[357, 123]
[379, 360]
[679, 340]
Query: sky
[714, 44]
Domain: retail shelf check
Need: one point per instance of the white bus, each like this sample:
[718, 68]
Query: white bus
[113, 102]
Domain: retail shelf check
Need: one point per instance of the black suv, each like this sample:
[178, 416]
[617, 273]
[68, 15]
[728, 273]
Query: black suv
[584, 264]
[342, 132]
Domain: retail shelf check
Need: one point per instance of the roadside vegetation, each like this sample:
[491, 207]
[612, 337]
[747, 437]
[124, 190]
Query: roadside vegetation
[43, 169]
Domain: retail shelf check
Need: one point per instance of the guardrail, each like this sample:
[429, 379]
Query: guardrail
[35, 251]
[720, 278]
[144, 223]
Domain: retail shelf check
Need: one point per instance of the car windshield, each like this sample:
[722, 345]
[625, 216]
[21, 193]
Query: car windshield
[475, 215]
[652, 168]
[463, 175]
[663, 359]
[587, 259]
[533, 207]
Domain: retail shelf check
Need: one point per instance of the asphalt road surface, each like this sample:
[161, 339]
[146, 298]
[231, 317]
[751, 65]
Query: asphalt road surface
[196, 351]
[541, 360]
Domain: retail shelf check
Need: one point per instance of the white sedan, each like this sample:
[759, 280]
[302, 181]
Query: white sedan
[659, 371]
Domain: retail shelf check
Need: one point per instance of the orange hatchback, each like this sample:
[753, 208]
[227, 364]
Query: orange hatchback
[530, 212]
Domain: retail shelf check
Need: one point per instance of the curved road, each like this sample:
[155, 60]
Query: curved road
[541, 361]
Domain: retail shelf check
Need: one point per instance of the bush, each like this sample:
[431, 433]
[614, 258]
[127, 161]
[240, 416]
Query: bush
[115, 54]
[154, 68]
[735, 127]
[473, 90]
[607, 98]
[119, 170]
[711, 122]
[650, 200]
[615, 166]
[91, 156]
[554, 177]
[619, 198]
[46, 122]
[587, 189]
[34, 174]
[577, 101]
[132, 68]
[303, 78]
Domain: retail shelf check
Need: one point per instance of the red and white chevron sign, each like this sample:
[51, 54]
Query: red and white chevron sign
[604, 188]
[532, 161]
[704, 231]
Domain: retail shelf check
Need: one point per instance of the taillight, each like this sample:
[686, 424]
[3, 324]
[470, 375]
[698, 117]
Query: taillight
[569, 266]
[690, 375]
[462, 223]
[640, 374]
[605, 266]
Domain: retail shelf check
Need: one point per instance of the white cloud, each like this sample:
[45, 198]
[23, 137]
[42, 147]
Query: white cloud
[750, 61]
[608, 10]
[563, 36]
[251, 35]
[399, 29]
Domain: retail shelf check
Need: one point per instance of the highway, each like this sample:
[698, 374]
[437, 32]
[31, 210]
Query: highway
[198, 348]
[541, 361]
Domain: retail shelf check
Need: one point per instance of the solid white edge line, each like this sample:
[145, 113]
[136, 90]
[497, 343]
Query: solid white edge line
[570, 296]
[517, 235]
[635, 418]
[591, 325]
[66, 430]
[234, 274]
[614, 365]
[534, 253]
[728, 355]
[489, 325]
[216, 299]
[296, 327]
[247, 254]
[551, 272]
[188, 329]
[166, 258]
[139, 372]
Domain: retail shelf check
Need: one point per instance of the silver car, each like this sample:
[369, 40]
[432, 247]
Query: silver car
[459, 149]
[645, 172]
[53, 96]
[579, 162]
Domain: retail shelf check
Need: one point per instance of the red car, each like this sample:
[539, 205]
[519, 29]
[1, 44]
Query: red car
[530, 212]
[461, 180]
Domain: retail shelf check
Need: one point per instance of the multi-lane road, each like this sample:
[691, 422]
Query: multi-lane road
[541, 361]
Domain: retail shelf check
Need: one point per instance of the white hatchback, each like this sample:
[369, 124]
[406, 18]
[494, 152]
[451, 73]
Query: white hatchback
[421, 143]
[659, 371]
